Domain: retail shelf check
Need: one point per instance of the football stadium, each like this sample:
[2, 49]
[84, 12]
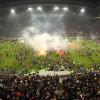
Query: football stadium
[49, 50]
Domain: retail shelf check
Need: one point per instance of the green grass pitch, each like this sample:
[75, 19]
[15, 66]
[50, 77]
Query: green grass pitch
[17, 55]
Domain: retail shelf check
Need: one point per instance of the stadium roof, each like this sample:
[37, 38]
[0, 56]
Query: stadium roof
[75, 2]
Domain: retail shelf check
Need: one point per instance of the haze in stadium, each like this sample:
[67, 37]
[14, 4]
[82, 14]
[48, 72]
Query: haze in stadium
[49, 49]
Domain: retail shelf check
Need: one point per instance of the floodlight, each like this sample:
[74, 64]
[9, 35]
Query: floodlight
[65, 9]
[12, 11]
[39, 8]
[82, 10]
[56, 8]
[30, 9]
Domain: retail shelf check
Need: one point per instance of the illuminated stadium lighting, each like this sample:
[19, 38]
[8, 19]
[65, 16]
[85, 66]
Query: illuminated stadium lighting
[65, 9]
[30, 9]
[39, 8]
[12, 11]
[82, 10]
[56, 8]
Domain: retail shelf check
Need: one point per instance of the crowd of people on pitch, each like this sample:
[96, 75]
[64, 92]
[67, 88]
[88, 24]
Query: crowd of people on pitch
[77, 86]
[23, 56]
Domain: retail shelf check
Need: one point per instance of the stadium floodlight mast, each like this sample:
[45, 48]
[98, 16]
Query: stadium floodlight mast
[56, 8]
[30, 9]
[39, 8]
[82, 10]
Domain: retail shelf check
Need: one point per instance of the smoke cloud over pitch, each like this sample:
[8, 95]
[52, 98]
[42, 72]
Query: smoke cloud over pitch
[46, 32]
[43, 41]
